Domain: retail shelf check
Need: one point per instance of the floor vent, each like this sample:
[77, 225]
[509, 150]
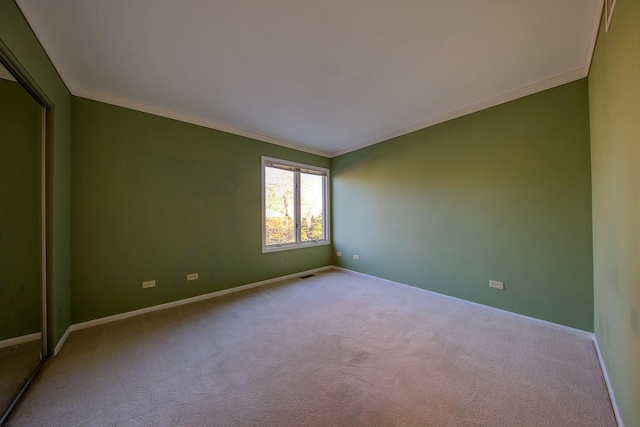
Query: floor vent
[307, 276]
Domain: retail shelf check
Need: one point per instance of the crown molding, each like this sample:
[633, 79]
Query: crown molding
[31, 15]
[6, 75]
[594, 35]
[33, 20]
[543, 85]
[472, 108]
[194, 120]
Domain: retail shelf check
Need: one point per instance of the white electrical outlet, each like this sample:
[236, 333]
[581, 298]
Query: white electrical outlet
[148, 284]
[192, 276]
[339, 253]
[356, 257]
[495, 284]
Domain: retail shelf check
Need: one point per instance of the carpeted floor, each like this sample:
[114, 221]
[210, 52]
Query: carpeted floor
[17, 364]
[330, 350]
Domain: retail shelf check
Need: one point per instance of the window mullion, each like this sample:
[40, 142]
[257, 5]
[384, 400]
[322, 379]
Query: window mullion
[297, 208]
[325, 208]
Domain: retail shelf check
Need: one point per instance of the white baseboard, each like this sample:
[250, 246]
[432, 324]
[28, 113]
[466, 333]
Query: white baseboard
[120, 316]
[557, 326]
[605, 373]
[574, 331]
[62, 341]
[20, 340]
[133, 313]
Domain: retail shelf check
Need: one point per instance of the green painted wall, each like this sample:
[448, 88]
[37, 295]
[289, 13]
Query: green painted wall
[17, 36]
[502, 194]
[155, 199]
[614, 98]
[20, 291]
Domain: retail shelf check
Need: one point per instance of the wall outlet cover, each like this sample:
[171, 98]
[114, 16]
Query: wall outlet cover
[192, 276]
[148, 284]
[496, 285]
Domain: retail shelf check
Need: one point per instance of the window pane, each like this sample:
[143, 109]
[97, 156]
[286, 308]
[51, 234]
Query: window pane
[311, 207]
[279, 206]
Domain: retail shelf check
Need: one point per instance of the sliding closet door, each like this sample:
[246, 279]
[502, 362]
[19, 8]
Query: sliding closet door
[21, 238]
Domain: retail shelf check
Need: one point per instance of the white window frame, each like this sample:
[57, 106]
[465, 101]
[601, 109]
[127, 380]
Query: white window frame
[326, 208]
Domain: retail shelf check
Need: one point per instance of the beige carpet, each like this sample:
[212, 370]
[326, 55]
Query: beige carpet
[17, 364]
[330, 350]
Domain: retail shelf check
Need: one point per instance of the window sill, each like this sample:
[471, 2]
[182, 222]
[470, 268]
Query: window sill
[290, 246]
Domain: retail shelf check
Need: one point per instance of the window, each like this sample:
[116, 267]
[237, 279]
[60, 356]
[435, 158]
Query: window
[295, 205]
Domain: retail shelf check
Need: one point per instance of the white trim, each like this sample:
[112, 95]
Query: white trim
[186, 118]
[326, 220]
[609, 17]
[605, 373]
[44, 195]
[121, 316]
[565, 78]
[63, 339]
[28, 10]
[594, 35]
[184, 301]
[574, 331]
[211, 124]
[552, 325]
[20, 340]
[31, 15]
[6, 75]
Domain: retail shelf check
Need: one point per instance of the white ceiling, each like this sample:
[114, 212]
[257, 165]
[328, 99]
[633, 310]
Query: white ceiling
[325, 76]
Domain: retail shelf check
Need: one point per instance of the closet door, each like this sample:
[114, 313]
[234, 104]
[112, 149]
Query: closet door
[22, 242]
